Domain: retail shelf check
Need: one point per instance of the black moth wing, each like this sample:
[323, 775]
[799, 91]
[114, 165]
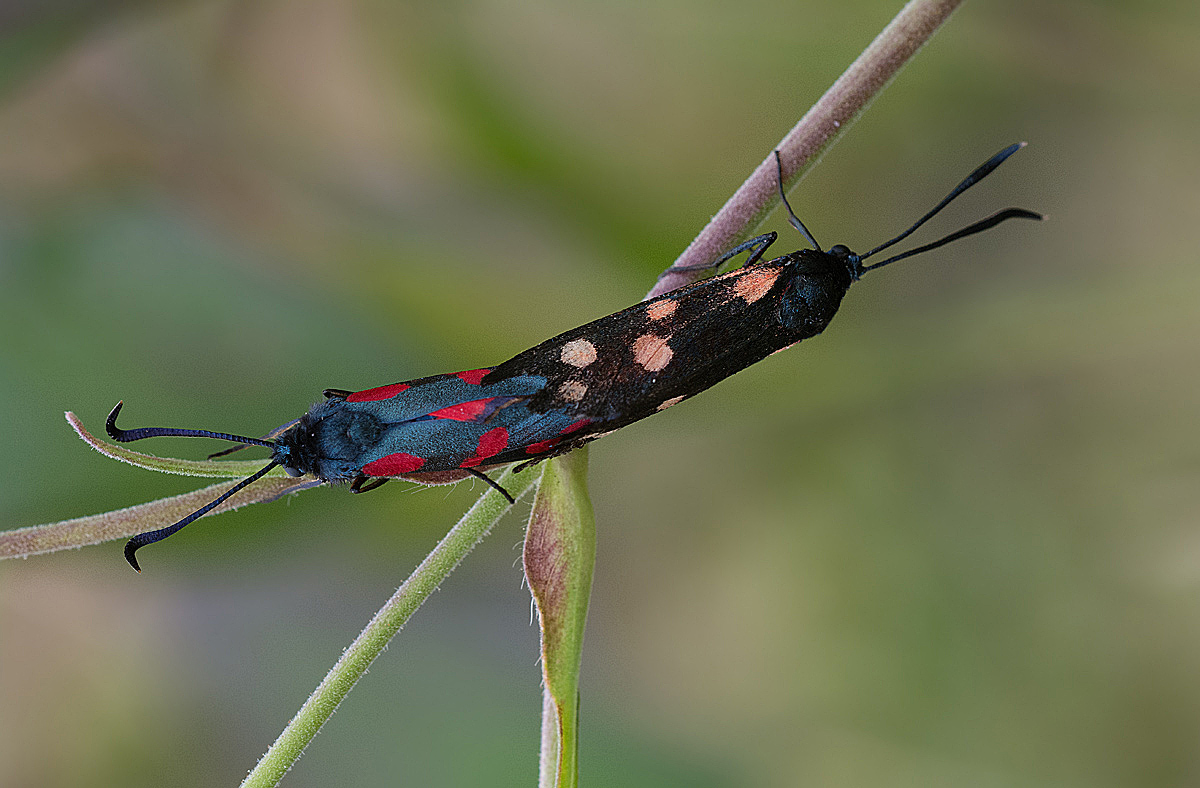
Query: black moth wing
[633, 363]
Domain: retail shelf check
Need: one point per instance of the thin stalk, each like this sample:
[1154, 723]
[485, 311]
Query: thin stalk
[124, 523]
[424, 580]
[808, 140]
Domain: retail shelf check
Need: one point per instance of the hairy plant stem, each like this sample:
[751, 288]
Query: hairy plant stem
[355, 660]
[804, 145]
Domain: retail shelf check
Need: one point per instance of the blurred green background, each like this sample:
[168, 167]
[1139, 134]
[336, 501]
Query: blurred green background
[952, 542]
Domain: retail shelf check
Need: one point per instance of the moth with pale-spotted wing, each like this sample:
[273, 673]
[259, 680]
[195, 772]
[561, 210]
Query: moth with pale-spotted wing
[578, 386]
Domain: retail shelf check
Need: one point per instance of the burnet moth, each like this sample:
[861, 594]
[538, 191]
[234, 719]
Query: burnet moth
[581, 384]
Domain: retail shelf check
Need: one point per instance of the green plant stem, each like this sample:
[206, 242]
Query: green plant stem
[424, 580]
[803, 146]
[559, 556]
[225, 469]
[124, 523]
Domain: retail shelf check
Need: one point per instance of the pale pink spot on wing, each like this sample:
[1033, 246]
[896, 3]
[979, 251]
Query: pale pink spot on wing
[754, 283]
[652, 352]
[661, 310]
[578, 353]
[669, 403]
[572, 390]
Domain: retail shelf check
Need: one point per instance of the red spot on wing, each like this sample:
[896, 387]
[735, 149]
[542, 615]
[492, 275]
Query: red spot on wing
[464, 411]
[396, 464]
[547, 445]
[577, 425]
[375, 394]
[473, 376]
[491, 443]
[541, 446]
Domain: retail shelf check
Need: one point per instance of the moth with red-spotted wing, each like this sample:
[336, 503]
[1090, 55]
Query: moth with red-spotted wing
[578, 386]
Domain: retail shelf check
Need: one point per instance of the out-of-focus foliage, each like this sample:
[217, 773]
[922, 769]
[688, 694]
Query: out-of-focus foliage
[954, 541]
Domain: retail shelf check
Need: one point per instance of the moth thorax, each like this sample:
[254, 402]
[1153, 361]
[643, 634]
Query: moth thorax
[328, 441]
[346, 431]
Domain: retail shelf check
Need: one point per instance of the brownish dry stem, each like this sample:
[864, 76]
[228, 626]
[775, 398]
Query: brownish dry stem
[803, 146]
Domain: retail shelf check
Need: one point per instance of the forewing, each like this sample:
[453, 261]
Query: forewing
[628, 365]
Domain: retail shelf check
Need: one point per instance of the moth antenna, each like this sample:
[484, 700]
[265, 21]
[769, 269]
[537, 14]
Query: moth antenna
[977, 175]
[224, 452]
[793, 219]
[125, 436]
[275, 433]
[150, 537]
[978, 227]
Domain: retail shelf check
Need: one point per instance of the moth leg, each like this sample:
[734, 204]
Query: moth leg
[357, 486]
[793, 219]
[481, 475]
[758, 243]
[528, 463]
